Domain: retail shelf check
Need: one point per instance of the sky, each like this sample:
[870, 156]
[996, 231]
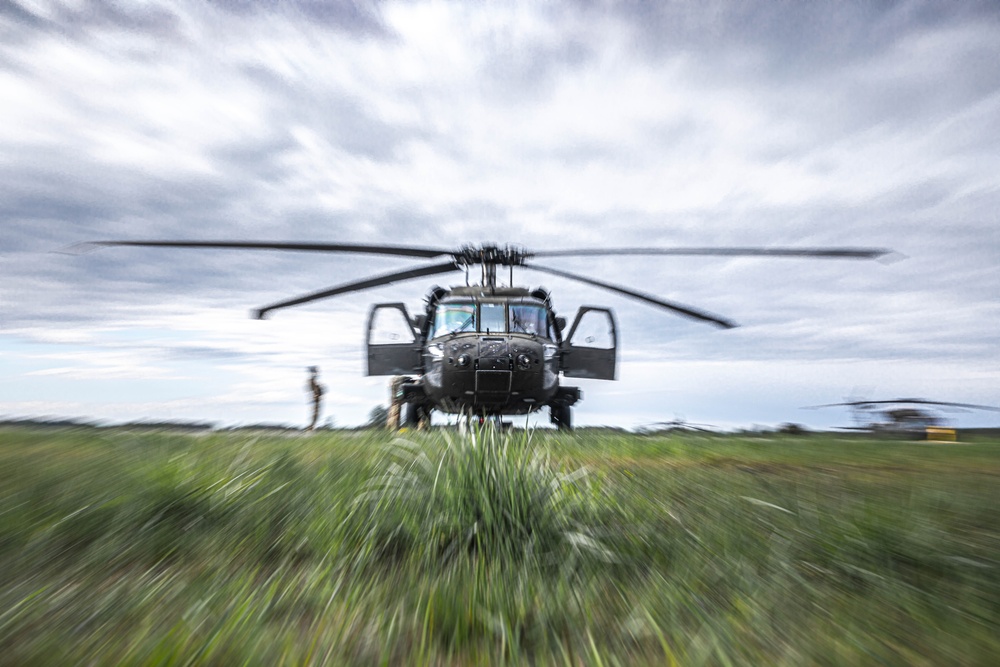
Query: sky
[549, 125]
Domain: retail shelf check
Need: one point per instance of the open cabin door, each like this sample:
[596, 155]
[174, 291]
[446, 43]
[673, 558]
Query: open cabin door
[393, 345]
[591, 348]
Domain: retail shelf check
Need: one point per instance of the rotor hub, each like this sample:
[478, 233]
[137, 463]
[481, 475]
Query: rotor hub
[507, 255]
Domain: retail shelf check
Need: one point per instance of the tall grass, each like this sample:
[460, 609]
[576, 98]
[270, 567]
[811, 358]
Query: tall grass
[487, 496]
[120, 547]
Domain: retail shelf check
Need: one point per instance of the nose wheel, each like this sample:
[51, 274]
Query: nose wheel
[561, 416]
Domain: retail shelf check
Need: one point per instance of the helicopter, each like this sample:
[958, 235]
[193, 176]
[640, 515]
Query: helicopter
[677, 425]
[901, 416]
[485, 349]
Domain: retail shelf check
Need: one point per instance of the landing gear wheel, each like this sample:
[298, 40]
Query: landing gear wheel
[561, 416]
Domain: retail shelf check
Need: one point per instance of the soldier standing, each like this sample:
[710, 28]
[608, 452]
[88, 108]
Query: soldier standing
[317, 394]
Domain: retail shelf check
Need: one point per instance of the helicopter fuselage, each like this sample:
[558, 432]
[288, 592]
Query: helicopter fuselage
[489, 351]
[491, 373]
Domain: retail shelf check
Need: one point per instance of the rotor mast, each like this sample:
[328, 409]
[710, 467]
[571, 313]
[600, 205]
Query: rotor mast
[489, 275]
[490, 257]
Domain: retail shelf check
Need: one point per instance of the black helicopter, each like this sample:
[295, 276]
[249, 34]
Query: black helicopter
[906, 417]
[485, 349]
[676, 425]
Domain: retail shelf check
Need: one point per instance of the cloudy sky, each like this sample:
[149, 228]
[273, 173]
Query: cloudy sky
[551, 125]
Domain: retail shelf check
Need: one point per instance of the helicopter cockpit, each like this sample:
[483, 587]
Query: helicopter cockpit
[490, 318]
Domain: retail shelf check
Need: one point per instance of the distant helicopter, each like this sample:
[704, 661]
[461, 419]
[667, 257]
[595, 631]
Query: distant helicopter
[900, 416]
[676, 425]
[489, 350]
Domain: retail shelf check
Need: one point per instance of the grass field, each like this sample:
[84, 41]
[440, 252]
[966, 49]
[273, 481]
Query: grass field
[598, 548]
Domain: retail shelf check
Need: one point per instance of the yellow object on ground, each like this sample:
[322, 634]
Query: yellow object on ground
[941, 434]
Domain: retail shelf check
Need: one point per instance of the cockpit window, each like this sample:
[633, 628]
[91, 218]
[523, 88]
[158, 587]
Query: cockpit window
[528, 319]
[492, 318]
[454, 318]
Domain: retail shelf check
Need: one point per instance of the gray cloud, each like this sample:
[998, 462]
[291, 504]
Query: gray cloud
[580, 124]
[350, 16]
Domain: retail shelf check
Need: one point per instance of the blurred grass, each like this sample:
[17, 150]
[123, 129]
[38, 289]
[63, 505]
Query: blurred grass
[138, 547]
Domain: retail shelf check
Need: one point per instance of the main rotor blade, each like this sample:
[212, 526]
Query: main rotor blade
[680, 309]
[906, 401]
[404, 251]
[828, 253]
[368, 283]
[923, 401]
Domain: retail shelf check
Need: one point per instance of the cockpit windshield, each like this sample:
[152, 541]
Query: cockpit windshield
[454, 318]
[528, 319]
[493, 318]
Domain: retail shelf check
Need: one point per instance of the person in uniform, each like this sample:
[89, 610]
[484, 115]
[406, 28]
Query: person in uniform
[317, 390]
[395, 407]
